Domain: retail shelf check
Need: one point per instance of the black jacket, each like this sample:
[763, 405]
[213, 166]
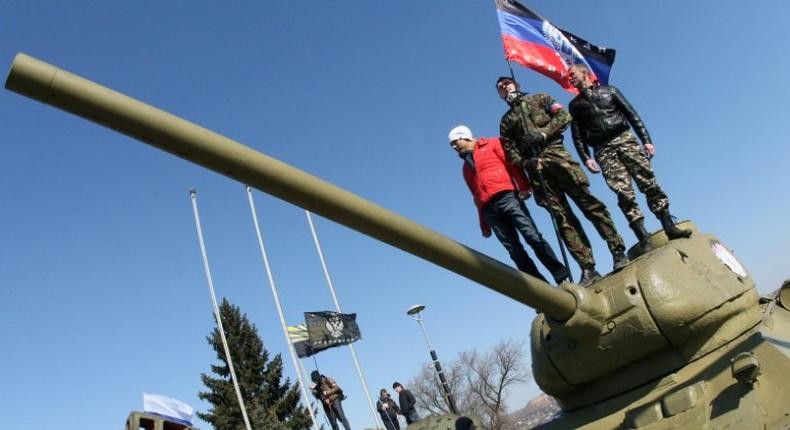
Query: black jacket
[392, 409]
[601, 113]
[407, 401]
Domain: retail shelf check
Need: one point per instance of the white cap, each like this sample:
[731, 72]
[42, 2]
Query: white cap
[460, 132]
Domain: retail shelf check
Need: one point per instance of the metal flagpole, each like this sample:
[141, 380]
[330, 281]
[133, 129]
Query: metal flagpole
[545, 191]
[388, 415]
[278, 305]
[376, 418]
[217, 316]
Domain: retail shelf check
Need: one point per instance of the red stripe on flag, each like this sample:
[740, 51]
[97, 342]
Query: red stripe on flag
[540, 58]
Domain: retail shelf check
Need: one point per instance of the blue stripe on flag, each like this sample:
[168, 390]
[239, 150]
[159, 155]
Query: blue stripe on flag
[522, 28]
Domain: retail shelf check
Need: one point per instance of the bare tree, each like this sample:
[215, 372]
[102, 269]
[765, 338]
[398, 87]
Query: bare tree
[490, 375]
[479, 383]
[430, 395]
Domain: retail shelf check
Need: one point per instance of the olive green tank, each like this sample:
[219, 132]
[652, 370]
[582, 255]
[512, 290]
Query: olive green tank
[678, 339]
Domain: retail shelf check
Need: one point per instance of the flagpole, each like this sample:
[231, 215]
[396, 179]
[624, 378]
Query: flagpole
[510, 67]
[278, 305]
[376, 418]
[217, 315]
[544, 189]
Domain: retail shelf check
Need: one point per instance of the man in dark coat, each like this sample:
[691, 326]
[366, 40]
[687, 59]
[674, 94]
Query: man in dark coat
[406, 401]
[331, 396]
[602, 120]
[388, 410]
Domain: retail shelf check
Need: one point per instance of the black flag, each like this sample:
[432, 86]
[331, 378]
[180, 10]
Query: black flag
[329, 329]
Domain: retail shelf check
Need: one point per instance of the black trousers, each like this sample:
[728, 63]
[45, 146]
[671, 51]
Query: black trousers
[335, 412]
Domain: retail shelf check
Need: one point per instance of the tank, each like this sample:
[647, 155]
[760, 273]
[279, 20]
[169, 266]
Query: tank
[679, 338]
[146, 421]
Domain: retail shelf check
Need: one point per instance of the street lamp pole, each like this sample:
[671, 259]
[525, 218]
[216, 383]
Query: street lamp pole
[416, 312]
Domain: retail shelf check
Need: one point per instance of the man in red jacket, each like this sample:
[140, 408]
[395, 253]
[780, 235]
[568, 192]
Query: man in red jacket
[499, 190]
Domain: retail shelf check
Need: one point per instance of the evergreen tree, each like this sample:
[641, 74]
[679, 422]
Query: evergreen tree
[271, 402]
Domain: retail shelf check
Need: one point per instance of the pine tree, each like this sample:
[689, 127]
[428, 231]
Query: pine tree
[271, 402]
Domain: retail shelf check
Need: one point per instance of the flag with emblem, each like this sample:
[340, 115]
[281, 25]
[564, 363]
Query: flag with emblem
[328, 329]
[534, 42]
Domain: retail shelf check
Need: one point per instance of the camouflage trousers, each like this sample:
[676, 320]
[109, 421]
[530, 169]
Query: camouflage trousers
[564, 177]
[621, 160]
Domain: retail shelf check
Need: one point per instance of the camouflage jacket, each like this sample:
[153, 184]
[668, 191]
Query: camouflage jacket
[329, 390]
[533, 122]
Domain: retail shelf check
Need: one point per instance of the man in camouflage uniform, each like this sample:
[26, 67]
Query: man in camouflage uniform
[531, 133]
[602, 120]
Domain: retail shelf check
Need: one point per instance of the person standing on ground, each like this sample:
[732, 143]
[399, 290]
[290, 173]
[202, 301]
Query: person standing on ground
[407, 403]
[388, 410]
[331, 396]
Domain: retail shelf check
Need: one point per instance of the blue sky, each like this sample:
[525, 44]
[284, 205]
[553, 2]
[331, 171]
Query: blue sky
[102, 292]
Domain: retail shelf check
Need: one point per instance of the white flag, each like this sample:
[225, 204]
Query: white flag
[171, 408]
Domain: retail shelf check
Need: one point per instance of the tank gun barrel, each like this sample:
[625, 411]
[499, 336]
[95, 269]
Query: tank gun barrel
[46, 83]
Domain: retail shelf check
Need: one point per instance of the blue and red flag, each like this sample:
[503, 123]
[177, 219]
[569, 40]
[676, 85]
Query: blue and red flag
[534, 42]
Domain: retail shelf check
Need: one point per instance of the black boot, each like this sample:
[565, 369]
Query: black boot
[642, 235]
[620, 259]
[669, 227]
[588, 277]
[638, 227]
[561, 275]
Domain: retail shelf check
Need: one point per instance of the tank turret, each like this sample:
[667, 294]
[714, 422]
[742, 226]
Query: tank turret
[148, 421]
[677, 339]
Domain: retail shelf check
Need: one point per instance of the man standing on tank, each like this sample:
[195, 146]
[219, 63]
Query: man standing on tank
[531, 133]
[499, 189]
[602, 120]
